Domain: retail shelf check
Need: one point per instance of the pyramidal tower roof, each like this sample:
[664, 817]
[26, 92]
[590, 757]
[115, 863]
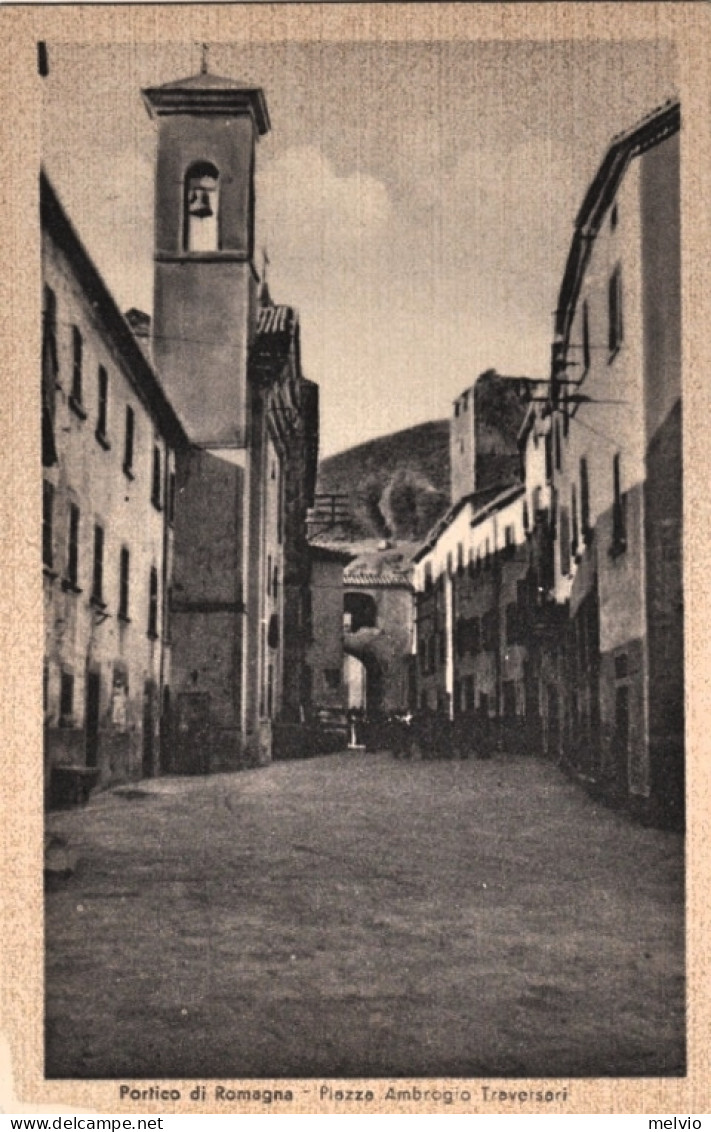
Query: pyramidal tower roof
[210, 95]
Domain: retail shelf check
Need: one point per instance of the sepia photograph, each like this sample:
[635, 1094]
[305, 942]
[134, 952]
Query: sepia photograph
[363, 670]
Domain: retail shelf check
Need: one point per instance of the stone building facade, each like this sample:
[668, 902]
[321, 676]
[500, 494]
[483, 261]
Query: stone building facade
[378, 627]
[617, 475]
[585, 594]
[110, 441]
[484, 427]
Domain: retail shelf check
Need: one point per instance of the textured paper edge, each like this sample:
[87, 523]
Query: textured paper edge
[22, 1086]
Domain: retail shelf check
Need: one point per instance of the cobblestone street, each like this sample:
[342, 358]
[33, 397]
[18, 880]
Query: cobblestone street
[356, 915]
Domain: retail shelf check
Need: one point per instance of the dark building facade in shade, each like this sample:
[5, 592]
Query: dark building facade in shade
[291, 415]
[110, 442]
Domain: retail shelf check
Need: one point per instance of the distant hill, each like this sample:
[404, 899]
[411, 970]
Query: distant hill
[397, 485]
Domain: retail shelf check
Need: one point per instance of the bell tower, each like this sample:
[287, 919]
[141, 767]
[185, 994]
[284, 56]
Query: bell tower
[205, 279]
[204, 322]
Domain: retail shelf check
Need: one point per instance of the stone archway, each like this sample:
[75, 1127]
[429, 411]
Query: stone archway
[362, 646]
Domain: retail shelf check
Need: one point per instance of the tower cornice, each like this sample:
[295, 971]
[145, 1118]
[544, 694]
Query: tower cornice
[209, 95]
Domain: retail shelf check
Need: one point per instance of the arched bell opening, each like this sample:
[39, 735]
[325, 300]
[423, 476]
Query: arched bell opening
[201, 208]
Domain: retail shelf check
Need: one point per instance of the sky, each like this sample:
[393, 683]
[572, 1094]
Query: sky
[417, 200]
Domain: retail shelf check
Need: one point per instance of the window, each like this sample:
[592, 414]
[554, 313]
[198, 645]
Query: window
[77, 367]
[171, 498]
[526, 517]
[153, 603]
[428, 577]
[488, 630]
[557, 446]
[270, 689]
[514, 624]
[47, 523]
[460, 636]
[332, 677]
[363, 610]
[124, 569]
[574, 520]
[564, 539]
[584, 500]
[460, 559]
[97, 583]
[128, 442]
[468, 635]
[549, 457]
[72, 577]
[614, 305]
[586, 337]
[468, 693]
[456, 408]
[155, 478]
[66, 700]
[280, 509]
[102, 415]
[269, 575]
[619, 517]
[275, 581]
[50, 370]
[201, 202]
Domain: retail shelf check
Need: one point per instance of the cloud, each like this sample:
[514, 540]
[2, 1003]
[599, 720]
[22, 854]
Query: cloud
[306, 208]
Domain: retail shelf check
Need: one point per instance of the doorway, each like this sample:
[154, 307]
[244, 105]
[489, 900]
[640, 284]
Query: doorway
[91, 717]
[148, 724]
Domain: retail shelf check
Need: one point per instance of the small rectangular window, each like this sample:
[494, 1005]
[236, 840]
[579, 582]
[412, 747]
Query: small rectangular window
[124, 568]
[66, 699]
[102, 414]
[97, 586]
[155, 478]
[584, 499]
[619, 516]
[128, 442]
[153, 603]
[614, 303]
[280, 507]
[77, 364]
[332, 677]
[269, 575]
[270, 689]
[564, 539]
[47, 523]
[171, 498]
[513, 624]
[574, 539]
[586, 336]
[73, 546]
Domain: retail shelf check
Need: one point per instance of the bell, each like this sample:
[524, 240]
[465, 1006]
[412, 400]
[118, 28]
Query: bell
[199, 203]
